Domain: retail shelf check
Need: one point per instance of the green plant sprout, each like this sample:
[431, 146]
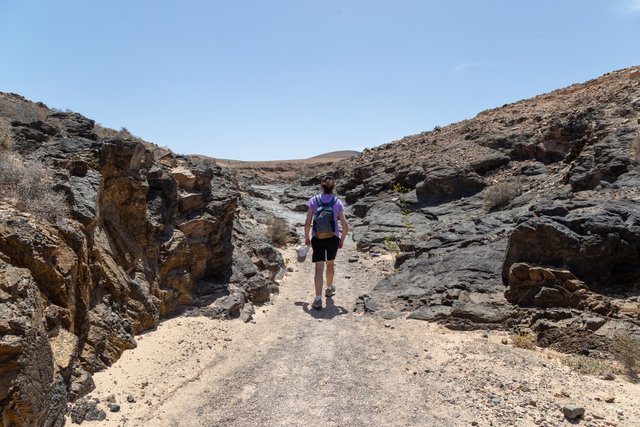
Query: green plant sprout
[400, 191]
[391, 244]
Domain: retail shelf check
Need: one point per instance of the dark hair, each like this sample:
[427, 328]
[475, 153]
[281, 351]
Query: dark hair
[328, 184]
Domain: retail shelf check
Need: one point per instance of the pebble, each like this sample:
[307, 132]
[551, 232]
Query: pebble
[607, 376]
[387, 325]
[113, 407]
[571, 412]
[610, 399]
[504, 341]
[227, 339]
[131, 399]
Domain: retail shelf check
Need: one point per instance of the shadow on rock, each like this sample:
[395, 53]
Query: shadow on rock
[329, 311]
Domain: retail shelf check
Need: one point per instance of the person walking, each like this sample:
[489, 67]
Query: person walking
[324, 213]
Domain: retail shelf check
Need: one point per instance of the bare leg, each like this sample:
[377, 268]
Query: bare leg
[330, 272]
[318, 277]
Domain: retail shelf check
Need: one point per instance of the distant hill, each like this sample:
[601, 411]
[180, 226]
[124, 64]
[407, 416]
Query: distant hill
[270, 171]
[344, 154]
[331, 157]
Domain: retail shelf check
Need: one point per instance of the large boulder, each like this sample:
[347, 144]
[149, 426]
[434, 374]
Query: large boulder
[548, 287]
[444, 184]
[597, 240]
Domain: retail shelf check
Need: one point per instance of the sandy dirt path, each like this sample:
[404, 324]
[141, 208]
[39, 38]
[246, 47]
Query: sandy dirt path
[295, 366]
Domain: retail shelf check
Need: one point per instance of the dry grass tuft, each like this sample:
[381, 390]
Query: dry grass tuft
[123, 133]
[278, 231]
[28, 185]
[6, 139]
[590, 365]
[524, 340]
[627, 350]
[499, 195]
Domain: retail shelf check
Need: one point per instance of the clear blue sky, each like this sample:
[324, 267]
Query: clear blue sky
[276, 79]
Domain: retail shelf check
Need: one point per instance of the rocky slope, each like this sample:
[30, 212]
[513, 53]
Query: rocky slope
[539, 198]
[138, 234]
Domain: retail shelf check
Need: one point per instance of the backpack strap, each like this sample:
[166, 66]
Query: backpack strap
[329, 204]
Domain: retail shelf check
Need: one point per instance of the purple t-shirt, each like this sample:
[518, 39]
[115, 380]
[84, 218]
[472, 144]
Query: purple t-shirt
[337, 208]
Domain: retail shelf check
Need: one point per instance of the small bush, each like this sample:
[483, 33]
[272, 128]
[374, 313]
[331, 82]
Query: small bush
[499, 195]
[635, 150]
[278, 231]
[29, 184]
[524, 340]
[590, 365]
[123, 133]
[627, 350]
[6, 140]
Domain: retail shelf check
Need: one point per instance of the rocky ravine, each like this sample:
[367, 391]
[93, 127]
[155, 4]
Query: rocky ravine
[147, 234]
[552, 182]
[294, 365]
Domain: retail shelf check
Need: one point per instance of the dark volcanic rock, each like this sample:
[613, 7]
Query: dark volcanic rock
[86, 410]
[443, 184]
[599, 241]
[472, 270]
[566, 191]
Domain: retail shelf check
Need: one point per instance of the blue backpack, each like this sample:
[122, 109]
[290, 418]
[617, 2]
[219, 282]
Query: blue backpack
[324, 226]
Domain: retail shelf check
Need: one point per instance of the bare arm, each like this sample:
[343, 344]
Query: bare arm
[307, 227]
[345, 228]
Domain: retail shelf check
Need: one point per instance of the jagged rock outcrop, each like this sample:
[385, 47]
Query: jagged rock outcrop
[148, 234]
[597, 240]
[547, 288]
[32, 391]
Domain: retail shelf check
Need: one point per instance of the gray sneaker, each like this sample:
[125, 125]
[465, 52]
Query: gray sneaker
[329, 292]
[317, 304]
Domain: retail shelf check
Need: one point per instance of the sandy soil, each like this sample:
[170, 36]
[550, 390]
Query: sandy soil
[334, 367]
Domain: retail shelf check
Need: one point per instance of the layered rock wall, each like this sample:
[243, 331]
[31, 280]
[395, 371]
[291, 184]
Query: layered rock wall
[147, 235]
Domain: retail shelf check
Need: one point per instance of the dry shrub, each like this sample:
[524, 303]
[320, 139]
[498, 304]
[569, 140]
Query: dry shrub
[123, 133]
[6, 140]
[524, 340]
[499, 195]
[29, 184]
[590, 365]
[627, 350]
[278, 231]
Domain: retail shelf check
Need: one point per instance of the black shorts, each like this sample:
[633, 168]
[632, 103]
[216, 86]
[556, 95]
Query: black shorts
[324, 249]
